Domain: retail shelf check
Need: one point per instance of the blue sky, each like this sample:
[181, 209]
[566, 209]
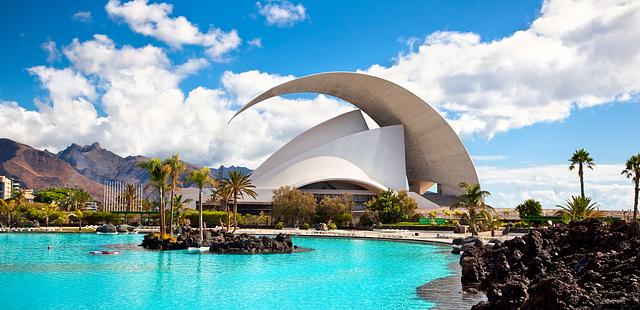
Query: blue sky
[524, 84]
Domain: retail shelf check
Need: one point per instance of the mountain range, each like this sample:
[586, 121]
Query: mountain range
[86, 167]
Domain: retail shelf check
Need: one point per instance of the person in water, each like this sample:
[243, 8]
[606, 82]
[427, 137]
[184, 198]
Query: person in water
[49, 248]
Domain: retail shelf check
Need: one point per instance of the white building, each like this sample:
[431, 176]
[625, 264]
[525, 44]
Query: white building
[6, 187]
[413, 148]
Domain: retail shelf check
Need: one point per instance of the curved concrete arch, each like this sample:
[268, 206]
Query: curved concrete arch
[434, 152]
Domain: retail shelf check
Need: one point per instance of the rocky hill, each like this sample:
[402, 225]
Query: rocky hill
[84, 166]
[41, 169]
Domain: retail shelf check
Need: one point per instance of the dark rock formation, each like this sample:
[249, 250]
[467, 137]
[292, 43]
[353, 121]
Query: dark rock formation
[246, 244]
[585, 265]
[153, 242]
[221, 242]
[106, 228]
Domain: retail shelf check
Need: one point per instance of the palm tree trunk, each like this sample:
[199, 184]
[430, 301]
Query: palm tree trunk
[472, 223]
[171, 210]
[635, 199]
[235, 214]
[228, 217]
[200, 226]
[580, 173]
[162, 225]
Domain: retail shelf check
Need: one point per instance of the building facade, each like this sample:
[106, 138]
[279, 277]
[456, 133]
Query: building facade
[413, 148]
[6, 187]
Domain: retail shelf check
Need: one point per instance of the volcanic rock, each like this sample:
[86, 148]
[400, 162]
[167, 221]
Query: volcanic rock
[583, 265]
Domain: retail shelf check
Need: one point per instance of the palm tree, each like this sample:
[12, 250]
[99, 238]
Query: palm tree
[579, 208]
[49, 210]
[130, 195]
[581, 157]
[179, 205]
[472, 199]
[78, 215]
[4, 208]
[201, 178]
[223, 195]
[632, 171]
[19, 196]
[158, 174]
[7, 206]
[177, 167]
[237, 184]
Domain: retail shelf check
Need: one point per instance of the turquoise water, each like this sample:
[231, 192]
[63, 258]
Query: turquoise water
[338, 274]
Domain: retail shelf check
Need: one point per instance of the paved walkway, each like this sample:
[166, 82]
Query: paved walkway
[384, 234]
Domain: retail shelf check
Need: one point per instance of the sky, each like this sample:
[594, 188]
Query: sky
[524, 83]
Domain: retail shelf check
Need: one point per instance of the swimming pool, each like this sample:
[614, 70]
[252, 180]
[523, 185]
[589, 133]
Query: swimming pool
[338, 274]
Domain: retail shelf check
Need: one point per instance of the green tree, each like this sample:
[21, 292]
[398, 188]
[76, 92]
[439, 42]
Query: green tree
[472, 201]
[19, 196]
[579, 208]
[336, 209]
[238, 184]
[408, 205]
[130, 195]
[632, 171]
[529, 207]
[179, 206]
[158, 174]
[74, 200]
[581, 158]
[78, 216]
[201, 178]
[293, 206]
[48, 211]
[176, 169]
[51, 194]
[390, 207]
[7, 206]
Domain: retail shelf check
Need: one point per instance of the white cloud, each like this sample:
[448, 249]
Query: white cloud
[575, 54]
[282, 13]
[83, 17]
[147, 113]
[257, 42]
[488, 157]
[50, 48]
[553, 184]
[153, 20]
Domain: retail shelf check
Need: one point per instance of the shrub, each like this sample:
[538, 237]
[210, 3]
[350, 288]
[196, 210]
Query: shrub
[529, 207]
[210, 218]
[332, 226]
[390, 207]
[293, 206]
[366, 220]
[305, 226]
[279, 225]
[336, 209]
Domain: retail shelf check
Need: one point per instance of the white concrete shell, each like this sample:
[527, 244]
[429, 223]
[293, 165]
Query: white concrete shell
[335, 128]
[372, 159]
[434, 153]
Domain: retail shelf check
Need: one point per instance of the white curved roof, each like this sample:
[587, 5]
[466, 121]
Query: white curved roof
[434, 153]
[373, 159]
[335, 128]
